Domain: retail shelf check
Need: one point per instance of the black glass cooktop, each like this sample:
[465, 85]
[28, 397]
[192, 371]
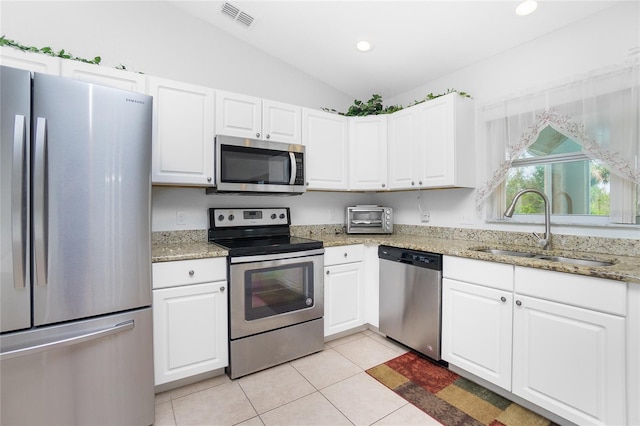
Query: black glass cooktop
[266, 245]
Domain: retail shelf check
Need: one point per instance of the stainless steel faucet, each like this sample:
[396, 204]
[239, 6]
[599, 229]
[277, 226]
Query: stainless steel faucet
[545, 241]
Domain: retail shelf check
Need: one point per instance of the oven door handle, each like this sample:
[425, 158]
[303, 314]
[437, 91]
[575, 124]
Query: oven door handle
[276, 256]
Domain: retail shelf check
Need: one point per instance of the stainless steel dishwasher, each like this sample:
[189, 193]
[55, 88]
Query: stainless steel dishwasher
[410, 298]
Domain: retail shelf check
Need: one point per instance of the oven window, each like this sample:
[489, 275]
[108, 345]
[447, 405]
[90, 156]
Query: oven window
[254, 165]
[273, 291]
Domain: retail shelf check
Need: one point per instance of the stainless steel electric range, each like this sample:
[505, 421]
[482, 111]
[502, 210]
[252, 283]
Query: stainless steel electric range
[275, 288]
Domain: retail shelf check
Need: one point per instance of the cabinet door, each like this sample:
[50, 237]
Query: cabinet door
[190, 330]
[183, 133]
[570, 361]
[238, 115]
[437, 142]
[325, 139]
[343, 297]
[35, 62]
[368, 153]
[281, 122]
[105, 76]
[476, 330]
[402, 150]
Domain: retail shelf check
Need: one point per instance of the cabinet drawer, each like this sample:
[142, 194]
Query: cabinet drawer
[343, 254]
[598, 294]
[186, 272]
[489, 274]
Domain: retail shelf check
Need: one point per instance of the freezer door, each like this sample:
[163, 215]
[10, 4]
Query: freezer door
[92, 372]
[91, 199]
[15, 118]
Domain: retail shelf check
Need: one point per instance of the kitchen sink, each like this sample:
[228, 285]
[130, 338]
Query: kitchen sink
[551, 258]
[506, 252]
[584, 262]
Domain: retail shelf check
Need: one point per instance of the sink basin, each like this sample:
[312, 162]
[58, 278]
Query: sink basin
[561, 259]
[506, 252]
[585, 262]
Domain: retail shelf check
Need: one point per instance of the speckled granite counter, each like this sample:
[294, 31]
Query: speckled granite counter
[625, 254]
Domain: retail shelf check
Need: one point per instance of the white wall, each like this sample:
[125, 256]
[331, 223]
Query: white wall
[158, 39]
[592, 43]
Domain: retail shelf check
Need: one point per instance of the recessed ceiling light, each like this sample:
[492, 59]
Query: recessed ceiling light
[363, 46]
[526, 7]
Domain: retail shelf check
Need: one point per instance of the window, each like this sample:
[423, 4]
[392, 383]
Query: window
[556, 165]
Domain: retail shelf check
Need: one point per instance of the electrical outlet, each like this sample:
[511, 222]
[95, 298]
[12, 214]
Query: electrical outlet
[181, 218]
[425, 217]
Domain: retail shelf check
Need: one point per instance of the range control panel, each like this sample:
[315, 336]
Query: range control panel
[227, 218]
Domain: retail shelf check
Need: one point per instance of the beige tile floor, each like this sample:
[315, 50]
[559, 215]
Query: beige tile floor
[326, 388]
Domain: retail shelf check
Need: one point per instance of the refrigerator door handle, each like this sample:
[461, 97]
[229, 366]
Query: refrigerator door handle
[39, 202]
[18, 220]
[118, 328]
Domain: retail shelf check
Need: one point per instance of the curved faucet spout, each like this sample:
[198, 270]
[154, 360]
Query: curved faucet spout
[544, 241]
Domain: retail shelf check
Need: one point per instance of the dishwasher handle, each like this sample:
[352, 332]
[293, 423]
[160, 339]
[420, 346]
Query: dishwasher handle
[416, 258]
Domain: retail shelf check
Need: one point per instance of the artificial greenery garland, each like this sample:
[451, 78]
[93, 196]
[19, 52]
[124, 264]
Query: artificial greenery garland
[374, 105]
[47, 51]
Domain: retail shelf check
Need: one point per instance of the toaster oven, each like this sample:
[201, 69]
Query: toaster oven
[369, 219]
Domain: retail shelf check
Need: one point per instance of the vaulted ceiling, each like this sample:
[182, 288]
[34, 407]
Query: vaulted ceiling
[413, 42]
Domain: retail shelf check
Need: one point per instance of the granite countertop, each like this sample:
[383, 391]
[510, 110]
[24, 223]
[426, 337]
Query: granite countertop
[625, 268]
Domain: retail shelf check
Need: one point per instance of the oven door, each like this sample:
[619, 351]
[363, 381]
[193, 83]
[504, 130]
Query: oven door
[272, 291]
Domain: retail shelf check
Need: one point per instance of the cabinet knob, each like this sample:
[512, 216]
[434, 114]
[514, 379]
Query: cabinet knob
[191, 272]
[412, 183]
[419, 182]
[268, 136]
[503, 299]
[222, 289]
[383, 185]
[346, 254]
[257, 135]
[209, 179]
[327, 272]
[519, 303]
[307, 183]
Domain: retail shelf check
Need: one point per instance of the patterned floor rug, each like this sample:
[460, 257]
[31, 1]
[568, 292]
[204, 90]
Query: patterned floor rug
[449, 398]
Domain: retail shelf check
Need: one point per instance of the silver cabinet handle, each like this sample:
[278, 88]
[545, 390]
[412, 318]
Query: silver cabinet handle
[268, 136]
[257, 135]
[503, 299]
[209, 179]
[412, 183]
[420, 183]
[346, 254]
[383, 185]
[18, 216]
[118, 328]
[191, 273]
[222, 289]
[327, 272]
[39, 207]
[519, 303]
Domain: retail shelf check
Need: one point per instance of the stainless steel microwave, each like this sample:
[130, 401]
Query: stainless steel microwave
[369, 219]
[258, 167]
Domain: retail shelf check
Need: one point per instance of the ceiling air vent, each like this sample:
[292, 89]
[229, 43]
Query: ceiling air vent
[236, 14]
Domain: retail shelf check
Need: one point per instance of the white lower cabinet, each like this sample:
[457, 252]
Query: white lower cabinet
[477, 308]
[189, 318]
[569, 345]
[555, 339]
[343, 288]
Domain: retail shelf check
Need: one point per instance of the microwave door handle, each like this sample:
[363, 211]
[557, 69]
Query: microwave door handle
[294, 168]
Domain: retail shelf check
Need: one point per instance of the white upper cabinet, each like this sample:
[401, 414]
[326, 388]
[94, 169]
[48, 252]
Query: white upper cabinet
[119, 79]
[183, 133]
[445, 136]
[431, 145]
[251, 117]
[402, 150]
[325, 137]
[35, 62]
[368, 153]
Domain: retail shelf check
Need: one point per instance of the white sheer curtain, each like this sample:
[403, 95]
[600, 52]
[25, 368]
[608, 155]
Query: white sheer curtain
[599, 110]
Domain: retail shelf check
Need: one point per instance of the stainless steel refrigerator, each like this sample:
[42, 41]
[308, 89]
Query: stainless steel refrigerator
[75, 290]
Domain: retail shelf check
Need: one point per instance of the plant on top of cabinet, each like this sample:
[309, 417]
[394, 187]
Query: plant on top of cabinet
[374, 105]
[47, 51]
